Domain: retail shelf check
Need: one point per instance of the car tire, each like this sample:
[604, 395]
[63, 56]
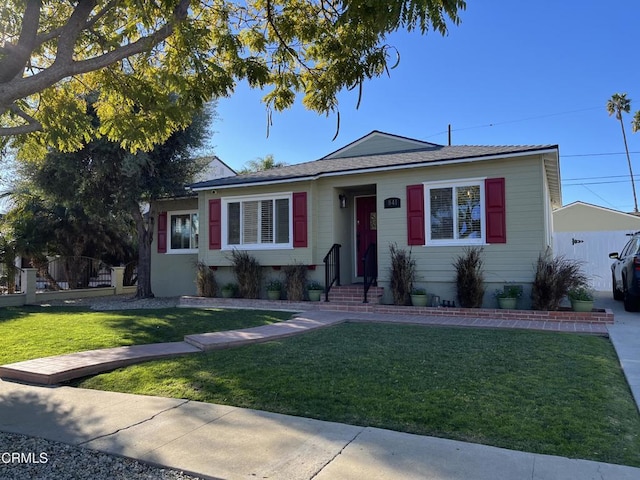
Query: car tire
[630, 302]
[617, 294]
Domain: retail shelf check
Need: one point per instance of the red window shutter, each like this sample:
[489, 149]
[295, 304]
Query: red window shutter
[300, 219]
[215, 224]
[415, 215]
[162, 232]
[496, 211]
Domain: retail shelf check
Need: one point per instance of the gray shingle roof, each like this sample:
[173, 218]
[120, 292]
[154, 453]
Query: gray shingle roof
[434, 154]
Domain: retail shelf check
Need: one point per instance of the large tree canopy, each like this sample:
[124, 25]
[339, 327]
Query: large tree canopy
[79, 203]
[155, 62]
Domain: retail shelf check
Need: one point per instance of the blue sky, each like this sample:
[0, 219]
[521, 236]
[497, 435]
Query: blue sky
[512, 73]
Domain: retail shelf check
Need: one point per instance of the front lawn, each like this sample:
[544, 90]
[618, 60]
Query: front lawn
[541, 392]
[33, 332]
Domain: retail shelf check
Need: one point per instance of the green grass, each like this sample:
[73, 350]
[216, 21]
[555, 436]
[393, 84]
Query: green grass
[33, 332]
[541, 392]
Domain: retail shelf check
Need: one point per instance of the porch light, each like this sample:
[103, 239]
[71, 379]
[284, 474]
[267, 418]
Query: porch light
[343, 200]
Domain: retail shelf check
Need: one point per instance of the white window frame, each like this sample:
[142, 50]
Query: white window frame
[178, 251]
[225, 201]
[427, 213]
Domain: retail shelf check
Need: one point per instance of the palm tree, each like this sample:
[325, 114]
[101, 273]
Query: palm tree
[262, 163]
[617, 104]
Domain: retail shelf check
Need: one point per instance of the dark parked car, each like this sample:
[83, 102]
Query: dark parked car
[625, 274]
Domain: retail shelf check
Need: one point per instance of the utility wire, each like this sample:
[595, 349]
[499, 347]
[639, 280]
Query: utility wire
[516, 121]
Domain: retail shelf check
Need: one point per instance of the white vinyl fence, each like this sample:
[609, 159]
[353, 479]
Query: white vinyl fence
[592, 249]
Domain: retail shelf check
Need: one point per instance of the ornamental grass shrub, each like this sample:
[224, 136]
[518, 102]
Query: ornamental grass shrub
[403, 274]
[470, 277]
[554, 278]
[248, 274]
[206, 284]
[295, 281]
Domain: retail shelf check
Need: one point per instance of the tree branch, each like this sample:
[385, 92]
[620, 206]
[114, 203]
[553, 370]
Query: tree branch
[292, 52]
[71, 30]
[16, 57]
[23, 87]
[31, 126]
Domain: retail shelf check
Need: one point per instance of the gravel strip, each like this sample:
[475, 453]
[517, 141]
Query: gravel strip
[23, 457]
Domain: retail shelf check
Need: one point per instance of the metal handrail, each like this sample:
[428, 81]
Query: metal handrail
[331, 269]
[369, 269]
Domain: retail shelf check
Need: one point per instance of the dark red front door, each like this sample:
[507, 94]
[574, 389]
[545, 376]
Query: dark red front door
[366, 227]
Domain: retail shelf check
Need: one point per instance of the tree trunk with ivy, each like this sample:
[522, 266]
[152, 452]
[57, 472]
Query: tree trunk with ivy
[144, 228]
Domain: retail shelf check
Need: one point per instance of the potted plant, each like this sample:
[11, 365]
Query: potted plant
[274, 289]
[314, 289]
[508, 296]
[419, 297]
[581, 299]
[229, 290]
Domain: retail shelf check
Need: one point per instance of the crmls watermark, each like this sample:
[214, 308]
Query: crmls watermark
[22, 457]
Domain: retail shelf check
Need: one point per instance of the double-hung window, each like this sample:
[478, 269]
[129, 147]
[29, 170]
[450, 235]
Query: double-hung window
[184, 229]
[455, 213]
[257, 222]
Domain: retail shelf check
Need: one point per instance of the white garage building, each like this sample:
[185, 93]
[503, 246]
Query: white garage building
[588, 233]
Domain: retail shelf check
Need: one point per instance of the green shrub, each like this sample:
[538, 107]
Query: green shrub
[470, 278]
[206, 284]
[274, 284]
[582, 294]
[295, 281]
[403, 273]
[554, 278]
[248, 274]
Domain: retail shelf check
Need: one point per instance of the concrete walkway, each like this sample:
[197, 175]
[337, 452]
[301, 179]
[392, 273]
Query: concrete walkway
[223, 442]
[625, 336]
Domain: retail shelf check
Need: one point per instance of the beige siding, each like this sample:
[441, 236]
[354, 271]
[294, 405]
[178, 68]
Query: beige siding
[510, 262]
[376, 144]
[527, 224]
[274, 257]
[173, 274]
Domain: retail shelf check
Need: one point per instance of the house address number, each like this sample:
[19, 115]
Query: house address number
[393, 202]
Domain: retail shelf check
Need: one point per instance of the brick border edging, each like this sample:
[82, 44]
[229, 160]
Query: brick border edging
[597, 316]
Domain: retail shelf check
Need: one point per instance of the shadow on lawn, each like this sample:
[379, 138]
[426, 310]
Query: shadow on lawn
[171, 325]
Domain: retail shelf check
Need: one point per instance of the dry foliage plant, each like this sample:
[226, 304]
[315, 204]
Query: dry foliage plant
[470, 278]
[554, 278]
[206, 284]
[295, 281]
[248, 274]
[403, 273]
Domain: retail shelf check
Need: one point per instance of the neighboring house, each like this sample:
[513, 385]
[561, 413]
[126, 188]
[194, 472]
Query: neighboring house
[215, 169]
[381, 189]
[588, 233]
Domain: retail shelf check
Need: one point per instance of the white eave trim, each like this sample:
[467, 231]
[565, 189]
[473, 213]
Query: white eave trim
[380, 169]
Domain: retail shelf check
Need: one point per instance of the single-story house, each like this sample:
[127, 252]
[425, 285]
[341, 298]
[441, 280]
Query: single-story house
[381, 189]
[588, 233]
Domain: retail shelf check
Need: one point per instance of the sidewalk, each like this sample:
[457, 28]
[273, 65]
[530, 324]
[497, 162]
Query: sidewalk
[217, 441]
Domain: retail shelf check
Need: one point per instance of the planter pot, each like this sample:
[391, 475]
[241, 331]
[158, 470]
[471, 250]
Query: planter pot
[582, 305]
[314, 295]
[273, 294]
[507, 303]
[419, 300]
[227, 293]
